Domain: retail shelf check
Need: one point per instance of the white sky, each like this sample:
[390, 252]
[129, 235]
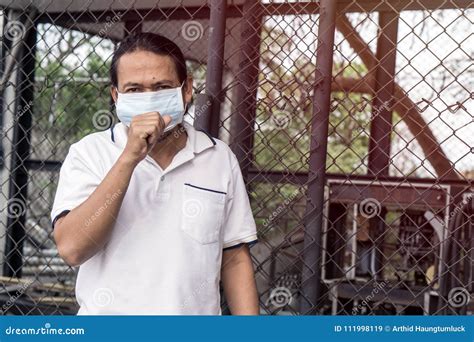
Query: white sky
[434, 62]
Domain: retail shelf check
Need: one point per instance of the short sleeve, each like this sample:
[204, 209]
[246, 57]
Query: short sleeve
[239, 224]
[77, 181]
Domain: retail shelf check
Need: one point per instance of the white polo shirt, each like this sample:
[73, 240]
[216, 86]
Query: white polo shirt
[164, 255]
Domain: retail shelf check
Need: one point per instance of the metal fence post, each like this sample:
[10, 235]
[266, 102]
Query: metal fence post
[208, 116]
[242, 128]
[311, 274]
[3, 47]
[18, 180]
[381, 125]
[382, 115]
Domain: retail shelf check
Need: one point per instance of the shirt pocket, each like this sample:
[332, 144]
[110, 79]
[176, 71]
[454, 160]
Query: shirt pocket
[203, 213]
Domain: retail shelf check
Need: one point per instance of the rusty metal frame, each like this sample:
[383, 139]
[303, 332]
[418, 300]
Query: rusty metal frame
[207, 116]
[242, 127]
[381, 125]
[311, 274]
[18, 178]
[236, 11]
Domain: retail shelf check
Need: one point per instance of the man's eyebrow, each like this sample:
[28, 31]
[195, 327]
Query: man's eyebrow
[163, 82]
[134, 84]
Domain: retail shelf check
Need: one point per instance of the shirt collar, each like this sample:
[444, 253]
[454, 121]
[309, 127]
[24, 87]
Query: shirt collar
[199, 140]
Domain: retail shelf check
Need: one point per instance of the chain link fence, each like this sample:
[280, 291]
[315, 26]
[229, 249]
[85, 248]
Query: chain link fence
[352, 122]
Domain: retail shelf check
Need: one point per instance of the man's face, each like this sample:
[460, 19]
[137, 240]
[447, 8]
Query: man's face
[144, 71]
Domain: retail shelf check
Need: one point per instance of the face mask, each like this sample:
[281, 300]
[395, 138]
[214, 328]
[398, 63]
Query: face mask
[166, 102]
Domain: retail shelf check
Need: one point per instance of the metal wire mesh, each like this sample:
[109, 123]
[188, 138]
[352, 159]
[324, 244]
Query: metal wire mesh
[392, 229]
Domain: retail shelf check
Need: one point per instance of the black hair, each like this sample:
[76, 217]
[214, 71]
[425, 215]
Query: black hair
[151, 42]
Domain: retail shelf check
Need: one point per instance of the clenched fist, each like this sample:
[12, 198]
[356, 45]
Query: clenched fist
[143, 133]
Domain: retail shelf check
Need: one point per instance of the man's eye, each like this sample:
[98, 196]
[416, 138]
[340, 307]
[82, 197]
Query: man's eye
[131, 90]
[162, 87]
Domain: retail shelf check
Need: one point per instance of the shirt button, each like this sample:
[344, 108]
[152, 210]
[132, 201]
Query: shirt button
[162, 178]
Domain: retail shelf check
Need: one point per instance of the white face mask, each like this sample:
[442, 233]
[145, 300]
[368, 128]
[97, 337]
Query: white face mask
[166, 102]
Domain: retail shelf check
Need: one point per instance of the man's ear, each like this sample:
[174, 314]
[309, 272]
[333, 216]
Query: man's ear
[114, 93]
[188, 93]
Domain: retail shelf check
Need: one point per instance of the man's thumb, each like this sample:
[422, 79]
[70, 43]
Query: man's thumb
[166, 119]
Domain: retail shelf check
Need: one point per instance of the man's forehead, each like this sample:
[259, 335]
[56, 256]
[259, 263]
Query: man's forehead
[143, 65]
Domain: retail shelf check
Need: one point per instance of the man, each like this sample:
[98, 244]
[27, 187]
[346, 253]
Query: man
[153, 212]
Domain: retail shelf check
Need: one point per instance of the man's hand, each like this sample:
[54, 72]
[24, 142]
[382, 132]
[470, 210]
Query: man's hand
[144, 132]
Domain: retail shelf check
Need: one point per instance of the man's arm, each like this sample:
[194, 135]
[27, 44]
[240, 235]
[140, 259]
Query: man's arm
[239, 281]
[77, 237]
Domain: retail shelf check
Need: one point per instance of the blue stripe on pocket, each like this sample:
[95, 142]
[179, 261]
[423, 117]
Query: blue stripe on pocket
[205, 189]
